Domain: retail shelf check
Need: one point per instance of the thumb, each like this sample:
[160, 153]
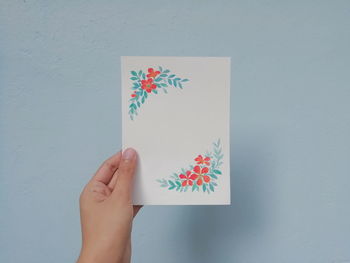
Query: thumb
[125, 175]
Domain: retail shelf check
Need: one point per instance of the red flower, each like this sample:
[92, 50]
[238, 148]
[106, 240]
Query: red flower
[152, 73]
[201, 160]
[187, 178]
[134, 94]
[148, 85]
[200, 174]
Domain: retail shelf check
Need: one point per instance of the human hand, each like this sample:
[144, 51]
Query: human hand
[107, 212]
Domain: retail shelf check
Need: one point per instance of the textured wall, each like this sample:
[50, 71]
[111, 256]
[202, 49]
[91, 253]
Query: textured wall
[60, 117]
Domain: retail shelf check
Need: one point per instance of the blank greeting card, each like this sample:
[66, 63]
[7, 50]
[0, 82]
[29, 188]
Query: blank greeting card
[175, 113]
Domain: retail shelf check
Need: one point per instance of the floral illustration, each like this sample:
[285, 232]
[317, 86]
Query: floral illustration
[146, 83]
[201, 176]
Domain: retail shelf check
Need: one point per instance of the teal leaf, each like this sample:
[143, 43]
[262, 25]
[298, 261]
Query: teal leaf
[163, 75]
[166, 71]
[171, 76]
[213, 176]
[134, 73]
[184, 80]
[158, 79]
[134, 78]
[170, 82]
[154, 91]
[211, 187]
[217, 172]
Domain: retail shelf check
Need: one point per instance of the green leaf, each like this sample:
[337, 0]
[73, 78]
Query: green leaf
[132, 105]
[175, 84]
[134, 73]
[204, 187]
[171, 187]
[171, 76]
[143, 100]
[163, 75]
[180, 85]
[134, 78]
[158, 79]
[213, 176]
[184, 80]
[160, 69]
[217, 171]
[163, 85]
[211, 187]
[165, 91]
[143, 75]
[178, 183]
[166, 71]
[154, 91]
[170, 82]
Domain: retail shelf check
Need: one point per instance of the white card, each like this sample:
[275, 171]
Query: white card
[175, 113]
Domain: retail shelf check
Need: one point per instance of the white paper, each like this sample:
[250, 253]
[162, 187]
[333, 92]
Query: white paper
[172, 129]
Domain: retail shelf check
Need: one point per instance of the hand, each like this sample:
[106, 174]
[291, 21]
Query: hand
[107, 212]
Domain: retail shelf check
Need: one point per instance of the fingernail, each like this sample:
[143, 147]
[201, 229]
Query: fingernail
[129, 154]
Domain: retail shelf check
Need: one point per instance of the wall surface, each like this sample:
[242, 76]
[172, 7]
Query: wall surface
[60, 118]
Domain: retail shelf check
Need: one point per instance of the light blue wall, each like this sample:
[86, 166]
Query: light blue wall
[60, 117]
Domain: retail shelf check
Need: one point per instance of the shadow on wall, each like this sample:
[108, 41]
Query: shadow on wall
[226, 228]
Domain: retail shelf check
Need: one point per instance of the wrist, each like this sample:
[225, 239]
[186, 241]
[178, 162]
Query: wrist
[98, 256]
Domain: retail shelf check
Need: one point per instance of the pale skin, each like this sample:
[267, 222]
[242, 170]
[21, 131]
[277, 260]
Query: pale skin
[107, 212]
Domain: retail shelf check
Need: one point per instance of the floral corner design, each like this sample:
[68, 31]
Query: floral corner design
[144, 84]
[202, 176]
